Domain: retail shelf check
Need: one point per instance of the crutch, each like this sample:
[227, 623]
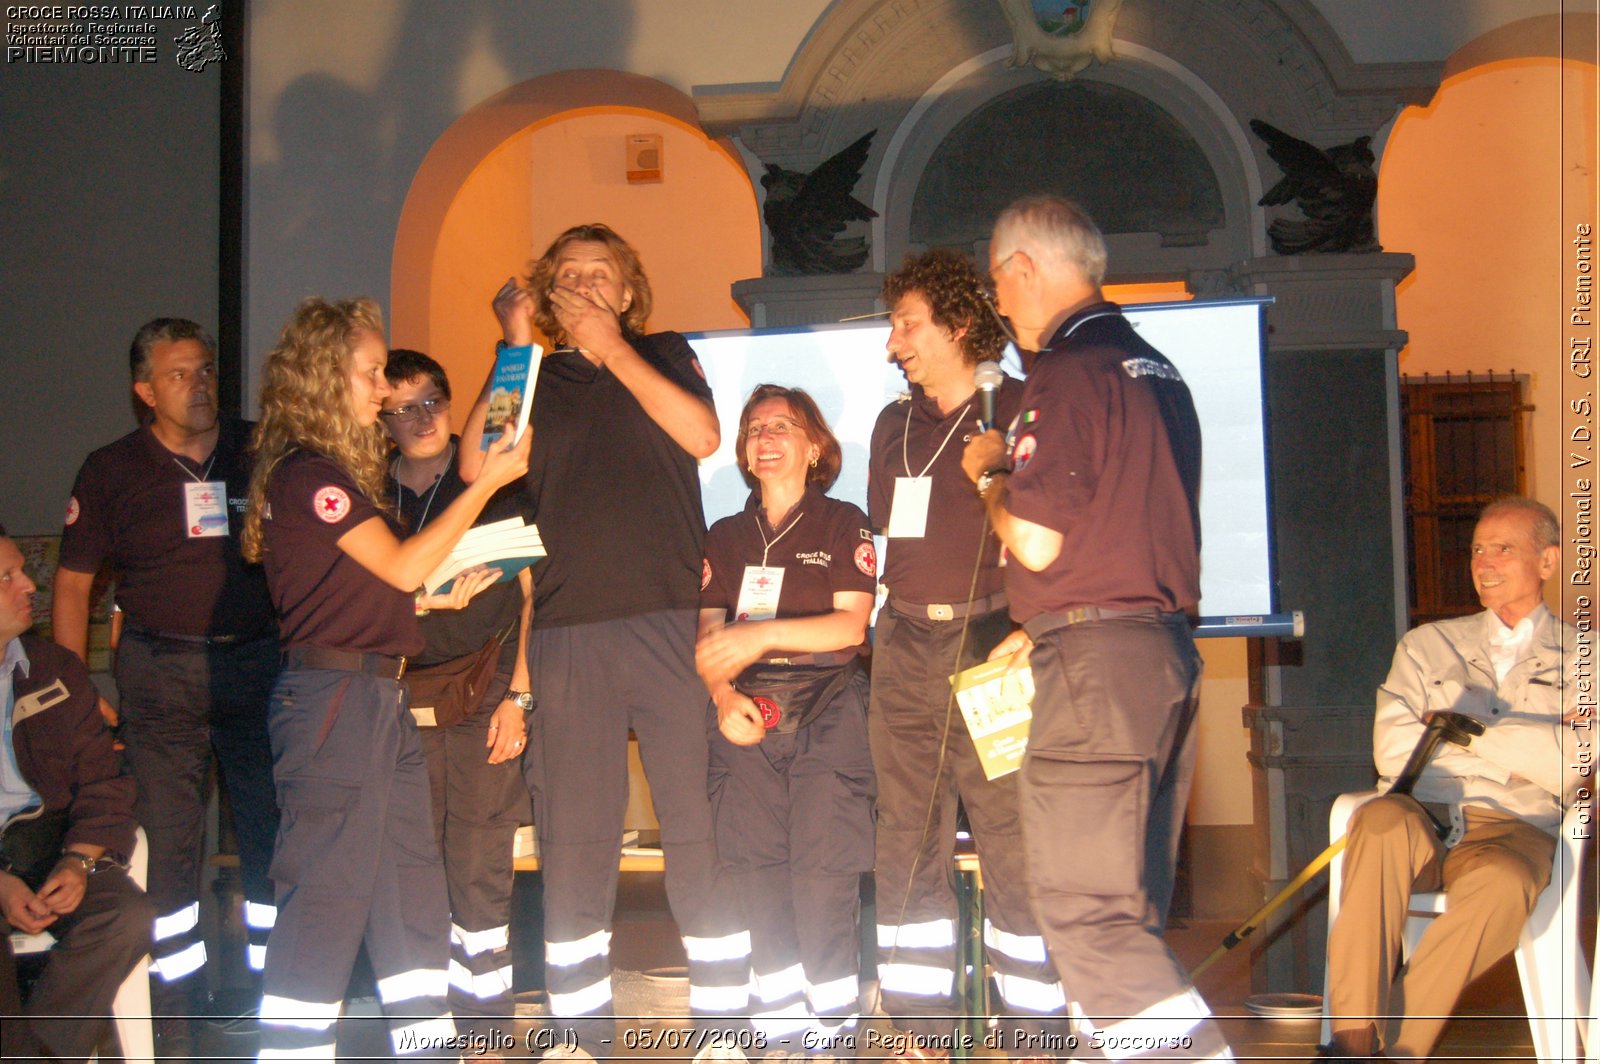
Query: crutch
[1443, 726]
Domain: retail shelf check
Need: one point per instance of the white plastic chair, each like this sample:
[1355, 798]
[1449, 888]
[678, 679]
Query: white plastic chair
[131, 1007]
[1555, 979]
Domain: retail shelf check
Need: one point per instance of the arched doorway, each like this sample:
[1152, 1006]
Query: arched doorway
[548, 153]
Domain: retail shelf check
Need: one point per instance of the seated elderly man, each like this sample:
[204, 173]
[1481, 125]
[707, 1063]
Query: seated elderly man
[66, 822]
[1503, 667]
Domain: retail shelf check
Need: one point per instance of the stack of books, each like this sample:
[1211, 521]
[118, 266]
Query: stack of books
[509, 546]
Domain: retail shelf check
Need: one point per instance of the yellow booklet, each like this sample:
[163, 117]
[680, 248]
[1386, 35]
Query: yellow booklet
[996, 703]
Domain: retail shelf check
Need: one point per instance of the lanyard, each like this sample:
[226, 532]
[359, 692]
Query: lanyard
[423, 519]
[768, 544]
[904, 452]
[204, 473]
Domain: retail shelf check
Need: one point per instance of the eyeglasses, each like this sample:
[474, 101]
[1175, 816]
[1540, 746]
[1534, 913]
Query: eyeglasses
[426, 410]
[991, 300]
[780, 426]
[1002, 264]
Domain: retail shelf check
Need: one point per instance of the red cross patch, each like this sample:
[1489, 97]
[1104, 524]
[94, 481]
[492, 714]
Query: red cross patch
[72, 509]
[771, 712]
[705, 573]
[1023, 451]
[331, 504]
[867, 559]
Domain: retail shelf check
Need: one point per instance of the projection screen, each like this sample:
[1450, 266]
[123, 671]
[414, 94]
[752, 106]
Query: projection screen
[1216, 344]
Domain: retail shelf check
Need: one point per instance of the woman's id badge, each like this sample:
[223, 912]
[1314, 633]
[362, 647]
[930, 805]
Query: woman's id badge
[758, 593]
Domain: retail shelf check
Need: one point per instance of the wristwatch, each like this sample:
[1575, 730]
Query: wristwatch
[986, 481]
[89, 863]
[523, 699]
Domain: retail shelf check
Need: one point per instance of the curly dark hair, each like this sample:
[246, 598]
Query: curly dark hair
[955, 290]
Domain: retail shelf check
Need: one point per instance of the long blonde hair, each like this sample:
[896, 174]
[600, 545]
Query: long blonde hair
[305, 405]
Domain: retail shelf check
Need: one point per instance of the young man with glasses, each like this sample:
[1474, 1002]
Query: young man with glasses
[474, 751]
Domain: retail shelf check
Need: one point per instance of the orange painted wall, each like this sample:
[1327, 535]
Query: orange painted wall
[1149, 292]
[697, 231]
[1473, 186]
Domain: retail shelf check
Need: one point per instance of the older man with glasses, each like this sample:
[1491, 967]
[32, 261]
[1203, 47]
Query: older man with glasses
[1097, 499]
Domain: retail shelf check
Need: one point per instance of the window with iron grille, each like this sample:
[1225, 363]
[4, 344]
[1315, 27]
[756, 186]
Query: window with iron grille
[1464, 447]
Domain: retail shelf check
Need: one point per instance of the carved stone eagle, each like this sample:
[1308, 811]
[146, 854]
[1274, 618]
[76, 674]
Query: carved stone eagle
[1334, 189]
[805, 213]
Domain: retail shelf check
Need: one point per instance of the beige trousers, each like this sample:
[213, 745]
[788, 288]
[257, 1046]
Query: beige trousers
[1492, 878]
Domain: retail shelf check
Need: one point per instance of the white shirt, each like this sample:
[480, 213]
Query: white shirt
[1508, 645]
[15, 794]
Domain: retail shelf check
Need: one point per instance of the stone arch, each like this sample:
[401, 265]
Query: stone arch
[1214, 130]
[923, 65]
[474, 136]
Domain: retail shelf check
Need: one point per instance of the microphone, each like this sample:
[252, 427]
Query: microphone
[988, 378]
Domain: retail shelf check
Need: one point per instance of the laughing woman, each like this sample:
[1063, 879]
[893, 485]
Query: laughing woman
[355, 859]
[791, 777]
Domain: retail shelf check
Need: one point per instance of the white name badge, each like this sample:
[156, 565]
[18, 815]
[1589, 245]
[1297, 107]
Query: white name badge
[908, 516]
[758, 593]
[205, 509]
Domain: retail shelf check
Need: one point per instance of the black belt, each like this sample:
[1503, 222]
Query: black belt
[388, 666]
[1045, 623]
[948, 611]
[827, 657]
[197, 640]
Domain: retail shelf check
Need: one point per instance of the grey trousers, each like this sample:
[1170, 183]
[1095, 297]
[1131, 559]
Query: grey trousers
[1105, 784]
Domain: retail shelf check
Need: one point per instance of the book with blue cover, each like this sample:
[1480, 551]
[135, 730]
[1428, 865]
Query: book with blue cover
[516, 375]
[510, 546]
